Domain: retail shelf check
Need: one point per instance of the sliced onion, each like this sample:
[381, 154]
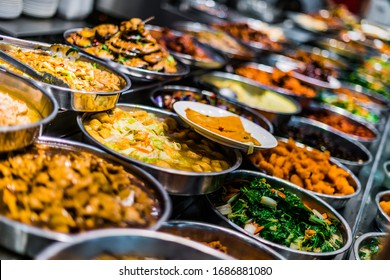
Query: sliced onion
[250, 228]
[225, 209]
[318, 214]
[267, 201]
[129, 201]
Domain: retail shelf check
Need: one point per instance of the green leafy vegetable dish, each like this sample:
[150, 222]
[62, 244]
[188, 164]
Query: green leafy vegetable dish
[279, 216]
[370, 250]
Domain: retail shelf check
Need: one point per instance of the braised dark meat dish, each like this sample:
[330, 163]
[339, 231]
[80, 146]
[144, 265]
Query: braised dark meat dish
[129, 44]
[184, 44]
[248, 34]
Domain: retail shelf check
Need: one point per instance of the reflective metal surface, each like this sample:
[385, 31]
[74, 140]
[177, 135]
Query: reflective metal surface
[135, 243]
[177, 182]
[382, 219]
[19, 136]
[238, 245]
[311, 200]
[29, 240]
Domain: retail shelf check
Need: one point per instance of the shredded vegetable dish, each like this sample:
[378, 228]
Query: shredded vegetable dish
[78, 74]
[146, 137]
[279, 216]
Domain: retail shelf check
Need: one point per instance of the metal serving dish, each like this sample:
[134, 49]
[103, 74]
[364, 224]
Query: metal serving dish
[177, 182]
[319, 136]
[158, 97]
[382, 220]
[217, 58]
[194, 29]
[308, 198]
[72, 99]
[366, 239]
[239, 246]
[317, 108]
[336, 201]
[135, 72]
[29, 240]
[276, 117]
[302, 100]
[376, 103]
[343, 48]
[19, 136]
[287, 64]
[134, 243]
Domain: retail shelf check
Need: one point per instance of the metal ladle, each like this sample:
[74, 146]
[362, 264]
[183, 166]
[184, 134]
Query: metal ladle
[40, 76]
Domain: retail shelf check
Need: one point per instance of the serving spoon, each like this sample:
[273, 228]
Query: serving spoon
[40, 76]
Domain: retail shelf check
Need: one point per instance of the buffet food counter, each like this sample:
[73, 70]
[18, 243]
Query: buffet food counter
[116, 158]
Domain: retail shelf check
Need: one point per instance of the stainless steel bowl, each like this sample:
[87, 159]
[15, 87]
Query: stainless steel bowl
[308, 198]
[19, 136]
[365, 239]
[195, 28]
[239, 246]
[319, 136]
[381, 219]
[135, 243]
[175, 181]
[302, 100]
[276, 117]
[336, 201]
[217, 58]
[29, 240]
[320, 108]
[135, 72]
[157, 97]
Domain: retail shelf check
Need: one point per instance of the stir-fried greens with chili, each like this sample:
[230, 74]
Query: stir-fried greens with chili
[279, 216]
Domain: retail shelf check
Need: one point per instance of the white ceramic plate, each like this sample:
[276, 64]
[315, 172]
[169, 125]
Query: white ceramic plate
[266, 139]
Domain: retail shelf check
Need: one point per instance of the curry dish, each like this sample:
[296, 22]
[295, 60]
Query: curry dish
[72, 192]
[16, 112]
[78, 74]
[229, 126]
[144, 136]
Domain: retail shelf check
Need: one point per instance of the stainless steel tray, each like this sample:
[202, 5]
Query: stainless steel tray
[29, 240]
[238, 245]
[177, 182]
[134, 72]
[135, 243]
[72, 99]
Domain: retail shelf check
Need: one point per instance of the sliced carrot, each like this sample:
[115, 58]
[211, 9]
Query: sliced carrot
[324, 215]
[279, 193]
[307, 206]
[143, 150]
[258, 229]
